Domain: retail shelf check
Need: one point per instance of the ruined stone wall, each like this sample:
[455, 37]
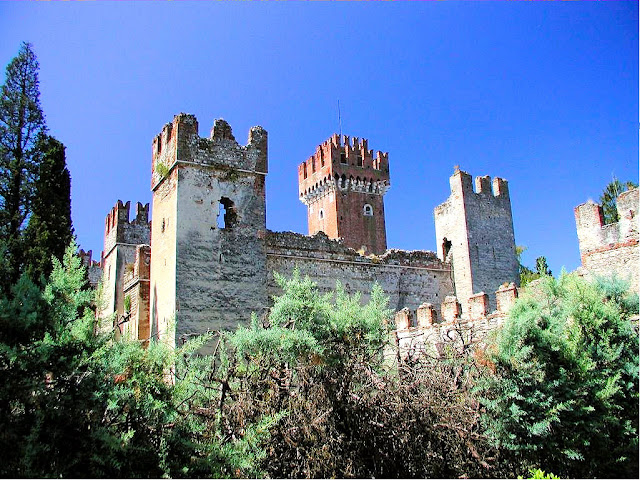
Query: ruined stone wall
[420, 332]
[408, 278]
[475, 230]
[612, 248]
[219, 259]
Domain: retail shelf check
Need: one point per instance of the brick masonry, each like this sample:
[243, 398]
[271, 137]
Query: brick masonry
[343, 185]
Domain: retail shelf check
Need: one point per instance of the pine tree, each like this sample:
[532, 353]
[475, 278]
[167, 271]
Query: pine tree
[49, 230]
[21, 124]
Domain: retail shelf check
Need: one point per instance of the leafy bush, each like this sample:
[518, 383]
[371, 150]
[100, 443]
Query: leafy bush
[565, 389]
[346, 409]
[77, 404]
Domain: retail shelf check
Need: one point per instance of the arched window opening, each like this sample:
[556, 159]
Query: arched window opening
[446, 247]
[343, 181]
[367, 210]
[321, 214]
[227, 217]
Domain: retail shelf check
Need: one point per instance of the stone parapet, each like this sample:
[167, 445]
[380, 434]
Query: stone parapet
[457, 330]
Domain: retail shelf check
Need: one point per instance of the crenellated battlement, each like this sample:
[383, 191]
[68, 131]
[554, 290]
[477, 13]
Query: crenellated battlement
[593, 234]
[119, 229]
[344, 163]
[85, 258]
[423, 331]
[462, 184]
[180, 142]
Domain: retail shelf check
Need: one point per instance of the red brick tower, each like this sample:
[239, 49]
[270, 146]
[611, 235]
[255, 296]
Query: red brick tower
[343, 186]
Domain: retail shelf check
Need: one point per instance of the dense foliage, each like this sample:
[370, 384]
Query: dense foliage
[564, 388]
[78, 404]
[35, 204]
[349, 408]
[315, 390]
[49, 230]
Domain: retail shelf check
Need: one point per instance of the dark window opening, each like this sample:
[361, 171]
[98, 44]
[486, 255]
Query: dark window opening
[446, 247]
[227, 216]
[343, 158]
[359, 160]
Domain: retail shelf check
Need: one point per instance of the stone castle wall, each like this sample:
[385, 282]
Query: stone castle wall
[212, 261]
[612, 248]
[136, 288]
[121, 238]
[408, 278]
[421, 332]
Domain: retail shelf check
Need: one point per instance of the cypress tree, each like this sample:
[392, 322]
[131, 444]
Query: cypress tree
[609, 197]
[49, 230]
[21, 124]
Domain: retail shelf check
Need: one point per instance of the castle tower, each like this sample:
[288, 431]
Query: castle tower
[208, 261]
[121, 237]
[343, 186]
[474, 231]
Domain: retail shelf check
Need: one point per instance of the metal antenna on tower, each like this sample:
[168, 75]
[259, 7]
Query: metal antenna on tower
[339, 118]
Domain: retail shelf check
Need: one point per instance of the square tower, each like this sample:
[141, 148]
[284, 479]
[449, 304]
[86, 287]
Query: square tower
[208, 261]
[474, 231]
[343, 186]
[121, 238]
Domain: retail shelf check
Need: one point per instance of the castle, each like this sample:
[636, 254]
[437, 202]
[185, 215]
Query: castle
[207, 260]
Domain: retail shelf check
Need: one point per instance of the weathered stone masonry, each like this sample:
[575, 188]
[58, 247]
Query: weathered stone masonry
[613, 248]
[474, 231]
[409, 278]
[212, 260]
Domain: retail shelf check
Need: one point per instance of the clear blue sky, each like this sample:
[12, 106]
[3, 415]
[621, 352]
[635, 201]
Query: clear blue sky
[544, 94]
